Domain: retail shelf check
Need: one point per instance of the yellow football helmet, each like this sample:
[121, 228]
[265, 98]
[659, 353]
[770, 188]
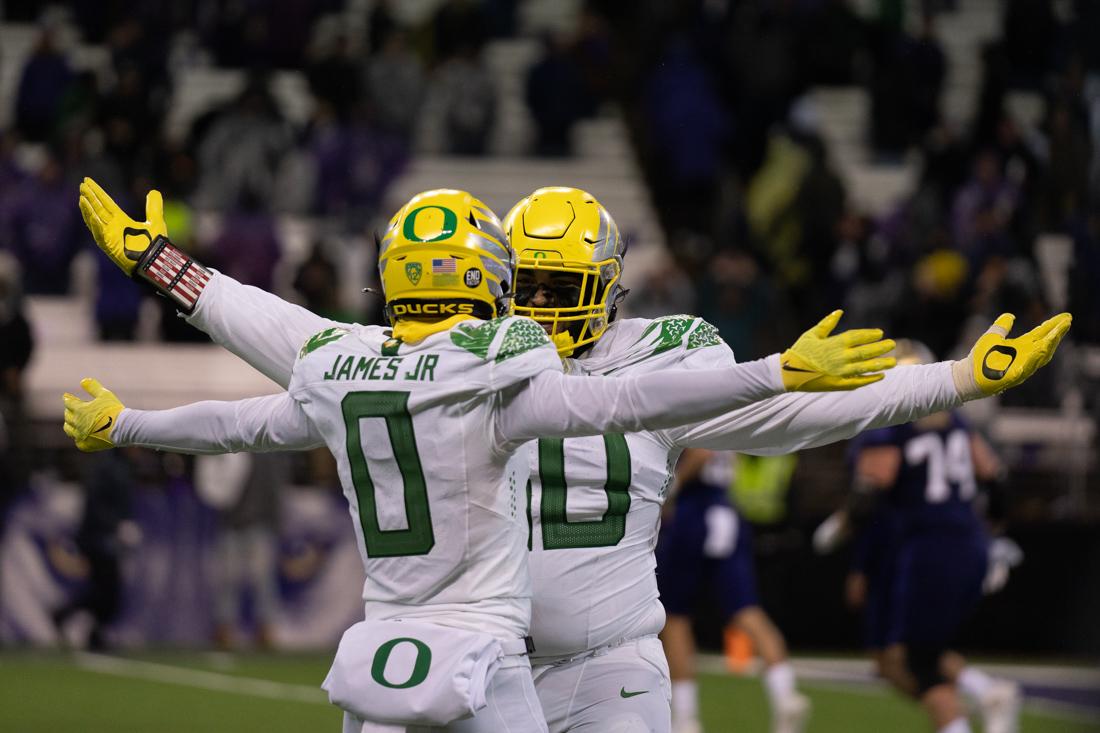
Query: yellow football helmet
[568, 242]
[444, 254]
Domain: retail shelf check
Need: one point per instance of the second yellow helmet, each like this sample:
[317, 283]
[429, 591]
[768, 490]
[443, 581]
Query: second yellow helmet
[565, 235]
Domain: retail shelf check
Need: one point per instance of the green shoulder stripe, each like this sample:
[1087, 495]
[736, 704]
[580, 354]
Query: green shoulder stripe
[670, 334]
[318, 340]
[476, 338]
[522, 336]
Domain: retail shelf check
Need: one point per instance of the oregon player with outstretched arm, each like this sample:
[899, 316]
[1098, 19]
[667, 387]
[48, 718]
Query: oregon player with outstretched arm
[424, 420]
[595, 607]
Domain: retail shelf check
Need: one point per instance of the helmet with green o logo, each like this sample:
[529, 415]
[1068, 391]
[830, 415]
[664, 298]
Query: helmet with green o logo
[444, 253]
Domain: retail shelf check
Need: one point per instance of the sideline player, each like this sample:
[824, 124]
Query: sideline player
[596, 611]
[921, 558]
[704, 542]
[424, 420]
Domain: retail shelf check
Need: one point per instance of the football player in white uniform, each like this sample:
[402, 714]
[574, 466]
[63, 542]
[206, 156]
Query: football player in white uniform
[595, 502]
[424, 420]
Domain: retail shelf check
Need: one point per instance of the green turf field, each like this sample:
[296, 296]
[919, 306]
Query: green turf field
[185, 692]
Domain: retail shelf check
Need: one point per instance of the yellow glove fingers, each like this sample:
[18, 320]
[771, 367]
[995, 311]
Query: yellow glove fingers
[71, 401]
[1046, 327]
[70, 430]
[869, 351]
[154, 207]
[860, 336]
[93, 387]
[91, 219]
[100, 200]
[102, 212]
[870, 365]
[826, 325]
[1050, 342]
[1002, 325]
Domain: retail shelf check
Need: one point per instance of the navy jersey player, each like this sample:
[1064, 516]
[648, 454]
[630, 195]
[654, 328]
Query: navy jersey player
[921, 558]
[704, 543]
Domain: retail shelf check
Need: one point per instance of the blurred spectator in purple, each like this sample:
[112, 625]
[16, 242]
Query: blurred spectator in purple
[380, 25]
[332, 74]
[983, 210]
[907, 79]
[243, 148]
[593, 55]
[666, 289]
[1065, 182]
[395, 84]
[355, 163]
[128, 121]
[738, 300]
[318, 282]
[18, 345]
[1029, 31]
[556, 96]
[459, 28]
[248, 248]
[45, 230]
[1084, 295]
[42, 87]
[118, 301]
[464, 90]
[832, 43]
[688, 129]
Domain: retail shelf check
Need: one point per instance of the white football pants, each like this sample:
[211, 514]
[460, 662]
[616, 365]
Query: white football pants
[619, 689]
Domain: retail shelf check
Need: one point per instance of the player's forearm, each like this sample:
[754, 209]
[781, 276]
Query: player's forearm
[564, 406]
[258, 424]
[262, 329]
[796, 421]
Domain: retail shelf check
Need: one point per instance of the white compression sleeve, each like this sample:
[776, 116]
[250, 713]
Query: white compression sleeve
[258, 424]
[262, 329]
[552, 404]
[800, 420]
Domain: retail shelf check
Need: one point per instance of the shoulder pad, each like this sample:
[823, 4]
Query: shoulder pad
[519, 336]
[680, 331]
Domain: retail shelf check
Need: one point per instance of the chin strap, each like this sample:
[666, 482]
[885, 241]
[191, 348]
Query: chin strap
[563, 342]
[411, 332]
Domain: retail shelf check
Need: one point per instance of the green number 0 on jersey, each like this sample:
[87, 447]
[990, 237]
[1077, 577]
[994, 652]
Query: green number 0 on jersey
[558, 533]
[418, 538]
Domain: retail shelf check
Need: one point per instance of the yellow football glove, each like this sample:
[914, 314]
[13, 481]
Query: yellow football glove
[91, 423]
[120, 237]
[819, 362]
[997, 363]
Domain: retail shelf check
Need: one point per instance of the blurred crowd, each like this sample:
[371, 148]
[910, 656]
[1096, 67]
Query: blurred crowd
[759, 218]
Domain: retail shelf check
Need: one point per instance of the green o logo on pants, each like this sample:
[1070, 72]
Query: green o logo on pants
[439, 224]
[419, 671]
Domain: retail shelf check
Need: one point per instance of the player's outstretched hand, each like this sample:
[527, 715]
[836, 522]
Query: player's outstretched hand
[819, 362]
[91, 423]
[120, 237]
[997, 362]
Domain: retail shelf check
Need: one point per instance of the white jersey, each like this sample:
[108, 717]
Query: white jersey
[438, 513]
[595, 502]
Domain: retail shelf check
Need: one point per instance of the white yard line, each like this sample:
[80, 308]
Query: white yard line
[187, 677]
